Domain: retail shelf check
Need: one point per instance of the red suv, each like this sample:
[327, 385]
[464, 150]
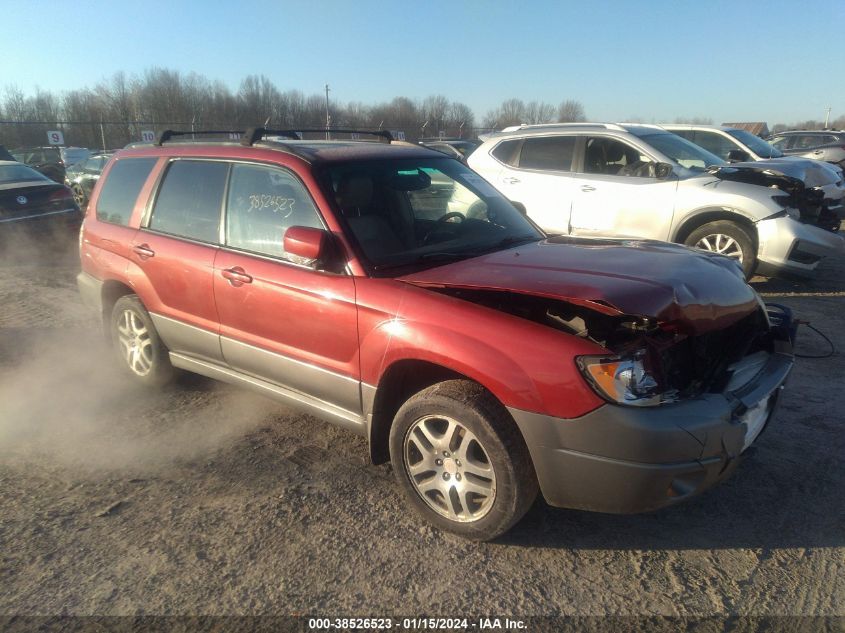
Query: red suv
[391, 290]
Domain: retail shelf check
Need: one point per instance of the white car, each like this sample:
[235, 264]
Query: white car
[736, 146]
[615, 180]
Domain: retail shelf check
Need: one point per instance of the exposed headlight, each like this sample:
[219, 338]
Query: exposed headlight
[786, 203]
[623, 380]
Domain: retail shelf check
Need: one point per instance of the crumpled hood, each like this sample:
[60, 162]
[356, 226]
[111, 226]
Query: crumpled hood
[794, 174]
[699, 291]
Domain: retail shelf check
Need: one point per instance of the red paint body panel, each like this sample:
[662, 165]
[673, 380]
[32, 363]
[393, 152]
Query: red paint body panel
[177, 281]
[524, 364]
[290, 310]
[697, 290]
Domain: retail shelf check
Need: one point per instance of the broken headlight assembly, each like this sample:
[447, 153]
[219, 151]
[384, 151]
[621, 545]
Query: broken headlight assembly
[625, 380]
[788, 205]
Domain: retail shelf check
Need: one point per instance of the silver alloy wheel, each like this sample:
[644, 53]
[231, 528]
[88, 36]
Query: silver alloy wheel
[78, 195]
[449, 468]
[135, 343]
[722, 244]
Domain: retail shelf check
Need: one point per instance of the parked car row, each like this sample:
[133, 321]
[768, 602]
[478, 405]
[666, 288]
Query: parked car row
[393, 291]
[82, 176]
[609, 180]
[29, 201]
[51, 161]
[826, 145]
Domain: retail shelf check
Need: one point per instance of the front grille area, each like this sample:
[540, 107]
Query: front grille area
[699, 364]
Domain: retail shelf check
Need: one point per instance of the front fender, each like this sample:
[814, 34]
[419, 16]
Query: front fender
[524, 364]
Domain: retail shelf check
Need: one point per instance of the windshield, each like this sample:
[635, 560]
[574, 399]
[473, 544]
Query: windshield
[756, 144]
[19, 173]
[417, 211]
[682, 151]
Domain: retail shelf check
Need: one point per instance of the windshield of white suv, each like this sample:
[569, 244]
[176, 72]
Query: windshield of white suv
[423, 211]
[756, 144]
[682, 151]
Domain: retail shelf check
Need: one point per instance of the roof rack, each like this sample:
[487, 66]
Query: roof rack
[166, 135]
[255, 134]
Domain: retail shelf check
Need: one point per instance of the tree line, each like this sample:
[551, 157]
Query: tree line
[115, 111]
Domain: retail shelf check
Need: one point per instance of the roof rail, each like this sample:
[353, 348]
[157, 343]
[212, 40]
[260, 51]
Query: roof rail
[584, 124]
[255, 134]
[166, 135]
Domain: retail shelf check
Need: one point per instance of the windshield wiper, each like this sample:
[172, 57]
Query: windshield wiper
[458, 255]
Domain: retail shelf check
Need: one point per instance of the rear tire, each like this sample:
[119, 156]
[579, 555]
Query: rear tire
[139, 349]
[461, 461]
[727, 238]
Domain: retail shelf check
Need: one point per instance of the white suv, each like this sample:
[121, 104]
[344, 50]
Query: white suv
[614, 180]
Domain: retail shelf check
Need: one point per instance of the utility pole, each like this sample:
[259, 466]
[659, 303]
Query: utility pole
[826, 117]
[328, 116]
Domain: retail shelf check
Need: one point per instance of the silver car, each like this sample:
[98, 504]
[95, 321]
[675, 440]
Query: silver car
[614, 180]
[736, 146]
[827, 145]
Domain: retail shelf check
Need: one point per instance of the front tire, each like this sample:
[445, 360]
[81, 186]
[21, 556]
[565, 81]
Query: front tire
[461, 461]
[139, 349]
[726, 238]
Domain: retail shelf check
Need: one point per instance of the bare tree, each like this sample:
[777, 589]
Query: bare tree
[538, 112]
[570, 111]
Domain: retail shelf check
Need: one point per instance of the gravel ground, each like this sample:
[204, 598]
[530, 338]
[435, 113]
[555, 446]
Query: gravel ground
[206, 499]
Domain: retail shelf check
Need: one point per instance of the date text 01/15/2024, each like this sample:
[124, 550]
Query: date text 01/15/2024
[416, 624]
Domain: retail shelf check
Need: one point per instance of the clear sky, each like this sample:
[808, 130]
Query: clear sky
[775, 61]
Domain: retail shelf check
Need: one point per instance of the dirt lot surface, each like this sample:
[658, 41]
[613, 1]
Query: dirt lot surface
[206, 499]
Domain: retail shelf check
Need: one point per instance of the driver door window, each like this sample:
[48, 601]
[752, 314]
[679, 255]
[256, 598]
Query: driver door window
[609, 157]
[263, 203]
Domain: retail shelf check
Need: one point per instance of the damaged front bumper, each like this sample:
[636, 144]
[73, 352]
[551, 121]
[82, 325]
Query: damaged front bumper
[621, 459]
[793, 248]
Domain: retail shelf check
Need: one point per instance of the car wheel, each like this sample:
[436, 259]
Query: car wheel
[461, 461]
[79, 196]
[140, 350]
[726, 238]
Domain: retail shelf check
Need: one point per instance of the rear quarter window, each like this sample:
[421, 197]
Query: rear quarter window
[121, 188]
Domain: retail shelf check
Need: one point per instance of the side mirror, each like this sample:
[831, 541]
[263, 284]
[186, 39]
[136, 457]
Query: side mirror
[738, 156]
[662, 171]
[306, 245]
[519, 207]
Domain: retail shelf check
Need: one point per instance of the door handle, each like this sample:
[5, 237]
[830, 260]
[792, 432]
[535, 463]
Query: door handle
[144, 251]
[511, 180]
[587, 188]
[236, 276]
[819, 151]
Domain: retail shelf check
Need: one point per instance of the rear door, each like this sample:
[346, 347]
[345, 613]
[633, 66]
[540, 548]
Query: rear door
[538, 174]
[618, 194]
[173, 256]
[281, 320]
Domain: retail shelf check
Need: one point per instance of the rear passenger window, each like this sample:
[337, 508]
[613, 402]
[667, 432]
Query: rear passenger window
[121, 188]
[263, 203]
[190, 200]
[553, 153]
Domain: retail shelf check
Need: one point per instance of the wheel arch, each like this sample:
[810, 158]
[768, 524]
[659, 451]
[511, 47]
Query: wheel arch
[398, 382]
[704, 216]
[112, 291]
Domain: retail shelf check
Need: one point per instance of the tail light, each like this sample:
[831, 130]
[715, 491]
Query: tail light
[61, 196]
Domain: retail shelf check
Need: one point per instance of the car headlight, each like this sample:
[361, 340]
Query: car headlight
[786, 203]
[623, 380]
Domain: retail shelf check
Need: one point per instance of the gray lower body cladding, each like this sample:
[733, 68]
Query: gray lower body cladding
[626, 459]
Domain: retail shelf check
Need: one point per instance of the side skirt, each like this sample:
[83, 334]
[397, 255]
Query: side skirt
[355, 422]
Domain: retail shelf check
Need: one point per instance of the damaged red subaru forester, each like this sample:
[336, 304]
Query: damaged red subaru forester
[393, 291]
